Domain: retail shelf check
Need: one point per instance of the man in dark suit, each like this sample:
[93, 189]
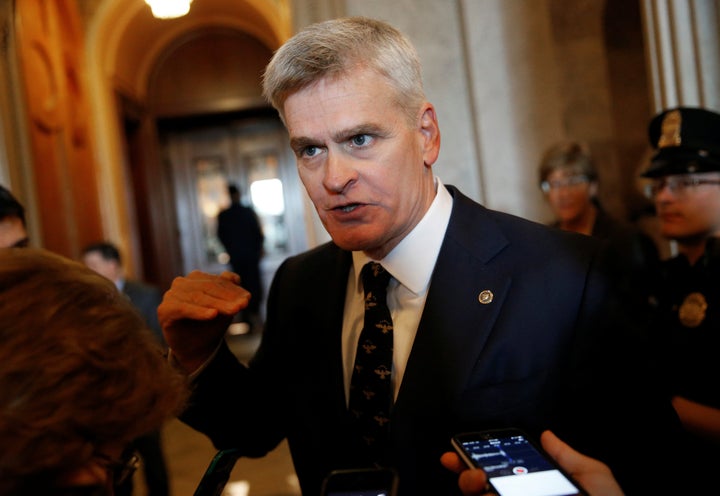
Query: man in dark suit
[239, 230]
[495, 321]
[104, 258]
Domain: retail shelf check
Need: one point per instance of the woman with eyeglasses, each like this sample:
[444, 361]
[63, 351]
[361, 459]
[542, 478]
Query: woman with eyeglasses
[569, 180]
[80, 377]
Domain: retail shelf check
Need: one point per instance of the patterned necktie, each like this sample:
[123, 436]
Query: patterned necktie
[371, 393]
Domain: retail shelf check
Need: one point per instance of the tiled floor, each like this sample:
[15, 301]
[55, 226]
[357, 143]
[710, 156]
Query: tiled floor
[188, 454]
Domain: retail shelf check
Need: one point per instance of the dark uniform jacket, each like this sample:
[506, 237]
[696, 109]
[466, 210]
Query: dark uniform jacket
[686, 336]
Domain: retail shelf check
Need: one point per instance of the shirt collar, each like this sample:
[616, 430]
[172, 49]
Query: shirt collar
[412, 261]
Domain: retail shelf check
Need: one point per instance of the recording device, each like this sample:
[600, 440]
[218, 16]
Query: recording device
[217, 474]
[515, 466]
[361, 482]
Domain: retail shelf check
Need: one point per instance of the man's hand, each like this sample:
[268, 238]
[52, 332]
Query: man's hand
[195, 313]
[592, 474]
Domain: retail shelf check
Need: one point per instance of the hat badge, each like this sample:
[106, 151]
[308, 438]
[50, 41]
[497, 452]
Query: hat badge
[671, 125]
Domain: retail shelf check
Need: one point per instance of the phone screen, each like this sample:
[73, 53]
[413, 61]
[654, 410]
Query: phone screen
[361, 482]
[513, 465]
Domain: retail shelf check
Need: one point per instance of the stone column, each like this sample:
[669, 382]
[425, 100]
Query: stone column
[683, 52]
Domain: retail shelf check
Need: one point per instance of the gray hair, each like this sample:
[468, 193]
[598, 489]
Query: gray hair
[335, 47]
[568, 155]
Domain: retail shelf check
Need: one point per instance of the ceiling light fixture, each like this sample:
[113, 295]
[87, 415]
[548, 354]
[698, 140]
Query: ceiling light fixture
[169, 9]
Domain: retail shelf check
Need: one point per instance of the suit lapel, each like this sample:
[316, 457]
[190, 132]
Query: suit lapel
[330, 305]
[455, 324]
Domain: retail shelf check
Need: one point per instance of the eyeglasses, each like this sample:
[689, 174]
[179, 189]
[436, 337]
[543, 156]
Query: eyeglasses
[678, 185]
[119, 470]
[568, 182]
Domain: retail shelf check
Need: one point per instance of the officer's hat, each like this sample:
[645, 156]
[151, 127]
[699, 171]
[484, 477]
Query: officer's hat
[686, 139]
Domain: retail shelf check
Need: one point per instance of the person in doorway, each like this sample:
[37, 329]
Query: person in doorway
[104, 258]
[685, 186]
[463, 318]
[13, 231]
[239, 230]
[80, 378]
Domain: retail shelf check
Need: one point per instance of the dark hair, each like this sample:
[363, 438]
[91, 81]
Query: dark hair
[9, 206]
[78, 369]
[106, 250]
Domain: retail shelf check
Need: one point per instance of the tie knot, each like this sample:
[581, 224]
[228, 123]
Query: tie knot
[375, 277]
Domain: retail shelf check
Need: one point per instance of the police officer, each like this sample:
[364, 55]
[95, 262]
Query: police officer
[685, 186]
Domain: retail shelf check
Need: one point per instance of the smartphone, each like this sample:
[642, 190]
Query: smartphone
[361, 482]
[515, 466]
[217, 474]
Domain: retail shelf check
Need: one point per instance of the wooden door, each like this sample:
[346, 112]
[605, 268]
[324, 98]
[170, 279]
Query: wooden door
[50, 48]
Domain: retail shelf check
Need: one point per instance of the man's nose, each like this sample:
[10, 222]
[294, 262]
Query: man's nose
[339, 172]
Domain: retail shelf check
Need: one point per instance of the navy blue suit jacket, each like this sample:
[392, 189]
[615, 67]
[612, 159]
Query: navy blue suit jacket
[146, 299]
[543, 353]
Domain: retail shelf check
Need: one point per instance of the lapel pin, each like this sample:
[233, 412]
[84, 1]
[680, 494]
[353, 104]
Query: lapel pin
[485, 296]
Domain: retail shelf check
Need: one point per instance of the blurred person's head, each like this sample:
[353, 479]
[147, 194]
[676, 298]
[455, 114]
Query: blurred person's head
[568, 178]
[685, 175]
[80, 377]
[234, 193]
[365, 138]
[104, 258]
[13, 231]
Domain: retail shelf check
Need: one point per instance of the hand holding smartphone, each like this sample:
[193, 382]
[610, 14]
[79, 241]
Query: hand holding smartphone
[361, 482]
[515, 466]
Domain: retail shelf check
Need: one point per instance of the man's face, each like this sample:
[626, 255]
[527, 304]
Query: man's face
[106, 268]
[12, 233]
[688, 212]
[366, 168]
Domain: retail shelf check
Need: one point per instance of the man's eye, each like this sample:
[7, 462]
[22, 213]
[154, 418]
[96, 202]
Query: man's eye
[310, 151]
[361, 140]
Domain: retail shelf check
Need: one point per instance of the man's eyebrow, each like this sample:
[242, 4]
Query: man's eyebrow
[346, 134]
[302, 142]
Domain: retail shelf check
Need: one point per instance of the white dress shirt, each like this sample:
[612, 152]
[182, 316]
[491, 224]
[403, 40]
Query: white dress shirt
[411, 264]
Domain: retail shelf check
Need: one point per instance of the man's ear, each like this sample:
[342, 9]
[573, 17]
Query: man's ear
[431, 134]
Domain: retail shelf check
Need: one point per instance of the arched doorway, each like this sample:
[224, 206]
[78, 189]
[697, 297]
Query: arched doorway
[129, 51]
